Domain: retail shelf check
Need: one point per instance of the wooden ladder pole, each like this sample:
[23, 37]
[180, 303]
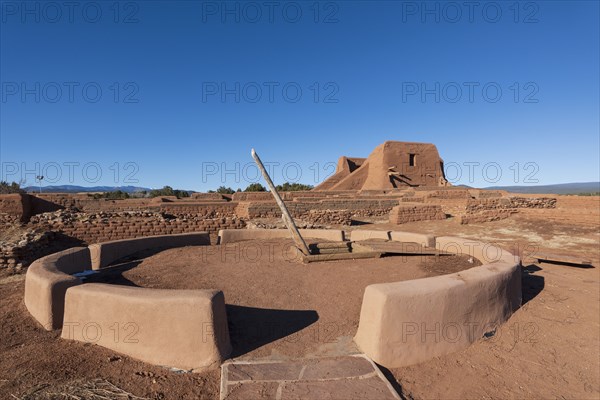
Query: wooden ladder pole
[287, 218]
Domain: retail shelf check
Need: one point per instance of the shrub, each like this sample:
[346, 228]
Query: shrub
[255, 187]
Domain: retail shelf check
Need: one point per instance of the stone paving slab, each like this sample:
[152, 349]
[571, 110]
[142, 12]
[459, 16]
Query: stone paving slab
[345, 377]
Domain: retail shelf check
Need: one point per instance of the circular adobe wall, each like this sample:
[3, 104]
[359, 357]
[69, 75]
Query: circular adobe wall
[186, 329]
[401, 323]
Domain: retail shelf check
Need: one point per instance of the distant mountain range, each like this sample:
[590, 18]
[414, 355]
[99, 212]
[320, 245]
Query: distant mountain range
[560, 188]
[78, 189]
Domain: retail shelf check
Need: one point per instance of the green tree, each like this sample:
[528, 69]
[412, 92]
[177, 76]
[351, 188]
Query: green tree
[169, 191]
[293, 187]
[114, 195]
[6, 188]
[255, 187]
[225, 190]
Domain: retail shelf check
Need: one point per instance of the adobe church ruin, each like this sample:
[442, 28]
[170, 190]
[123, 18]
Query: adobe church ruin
[391, 165]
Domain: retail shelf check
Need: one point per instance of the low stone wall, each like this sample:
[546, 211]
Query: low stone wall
[408, 322]
[410, 212]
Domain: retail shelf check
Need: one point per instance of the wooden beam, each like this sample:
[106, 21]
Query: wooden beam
[287, 218]
[561, 259]
[341, 256]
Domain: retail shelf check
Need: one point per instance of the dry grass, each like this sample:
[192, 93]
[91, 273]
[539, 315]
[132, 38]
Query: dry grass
[96, 389]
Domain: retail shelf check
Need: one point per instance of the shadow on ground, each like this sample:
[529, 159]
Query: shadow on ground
[113, 274]
[531, 284]
[251, 327]
[395, 384]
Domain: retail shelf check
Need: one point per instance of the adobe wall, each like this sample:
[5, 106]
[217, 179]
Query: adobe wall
[185, 329]
[105, 253]
[236, 235]
[408, 322]
[364, 234]
[14, 208]
[46, 202]
[425, 240]
[47, 281]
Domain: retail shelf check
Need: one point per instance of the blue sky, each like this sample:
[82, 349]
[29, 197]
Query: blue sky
[154, 93]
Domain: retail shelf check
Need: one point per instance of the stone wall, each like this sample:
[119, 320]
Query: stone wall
[494, 209]
[533, 202]
[302, 210]
[449, 194]
[486, 194]
[103, 226]
[210, 197]
[329, 217]
[410, 212]
[19, 252]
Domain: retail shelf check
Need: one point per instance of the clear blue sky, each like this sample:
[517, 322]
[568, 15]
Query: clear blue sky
[180, 83]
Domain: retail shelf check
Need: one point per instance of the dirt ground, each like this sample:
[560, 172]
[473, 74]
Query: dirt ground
[550, 348]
